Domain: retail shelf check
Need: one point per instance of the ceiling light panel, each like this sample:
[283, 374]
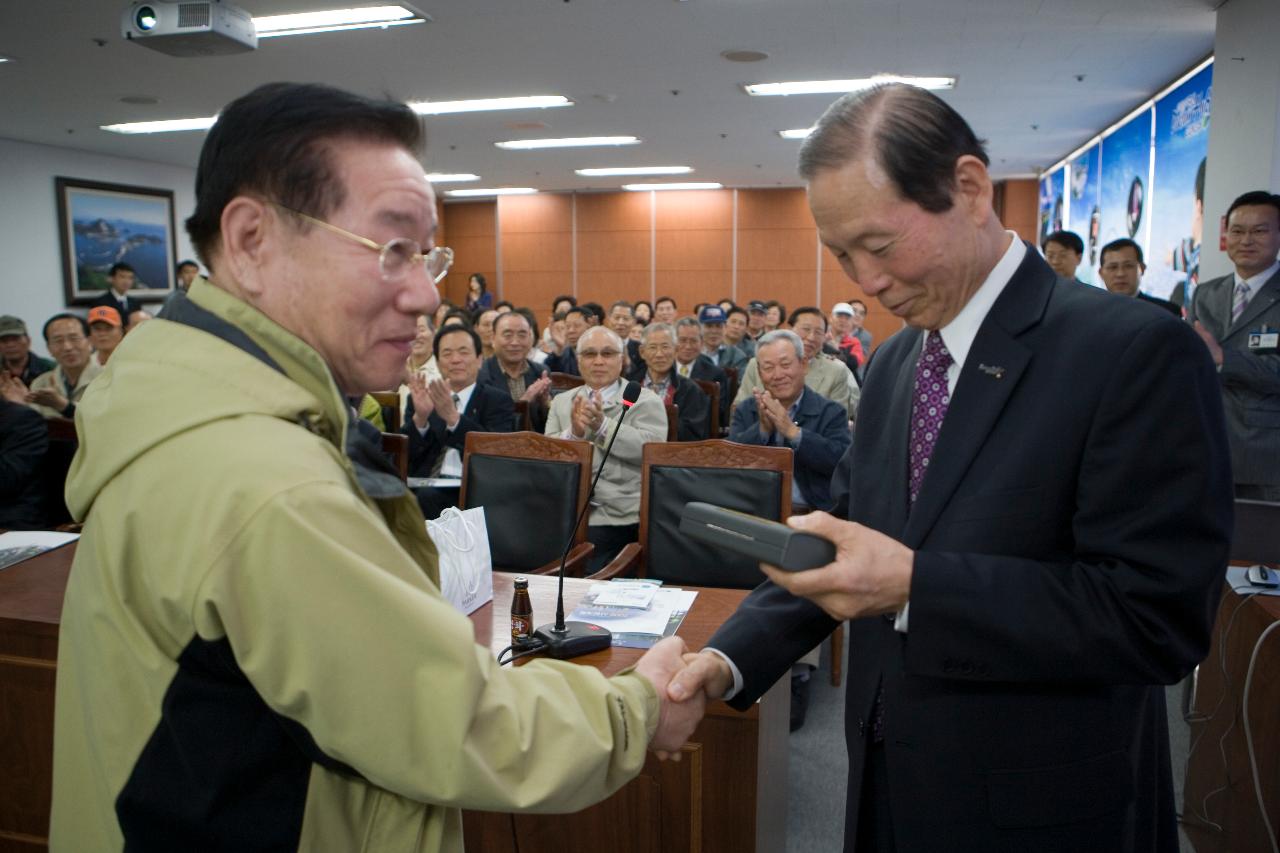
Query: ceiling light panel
[527, 102]
[568, 142]
[831, 87]
[166, 126]
[796, 133]
[686, 185]
[334, 20]
[634, 170]
[450, 177]
[491, 191]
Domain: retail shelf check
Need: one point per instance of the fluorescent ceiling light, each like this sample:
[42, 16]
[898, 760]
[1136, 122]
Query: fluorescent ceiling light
[435, 108]
[444, 178]
[492, 191]
[570, 142]
[687, 185]
[166, 126]
[334, 20]
[796, 133]
[635, 170]
[830, 87]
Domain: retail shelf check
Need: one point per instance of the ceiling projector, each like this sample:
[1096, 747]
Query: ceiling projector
[190, 27]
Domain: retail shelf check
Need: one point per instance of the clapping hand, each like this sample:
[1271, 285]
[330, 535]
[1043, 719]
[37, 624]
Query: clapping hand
[587, 416]
[772, 411]
[442, 399]
[13, 389]
[538, 390]
[48, 397]
[676, 718]
[423, 405]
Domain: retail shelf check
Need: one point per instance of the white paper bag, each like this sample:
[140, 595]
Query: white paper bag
[466, 569]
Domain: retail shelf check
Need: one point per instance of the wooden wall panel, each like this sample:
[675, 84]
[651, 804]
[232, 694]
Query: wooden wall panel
[792, 288]
[621, 211]
[699, 209]
[609, 285]
[689, 287]
[1022, 209]
[612, 250]
[693, 234]
[470, 229]
[781, 208]
[537, 248]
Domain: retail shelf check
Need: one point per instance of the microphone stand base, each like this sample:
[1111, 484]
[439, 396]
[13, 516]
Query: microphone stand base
[577, 638]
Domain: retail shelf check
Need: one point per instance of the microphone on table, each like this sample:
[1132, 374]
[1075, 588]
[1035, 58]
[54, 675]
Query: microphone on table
[563, 639]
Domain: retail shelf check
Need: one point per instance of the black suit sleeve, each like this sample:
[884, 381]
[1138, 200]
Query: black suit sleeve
[24, 438]
[695, 413]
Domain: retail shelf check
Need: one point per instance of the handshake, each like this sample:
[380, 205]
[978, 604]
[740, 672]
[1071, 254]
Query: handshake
[684, 682]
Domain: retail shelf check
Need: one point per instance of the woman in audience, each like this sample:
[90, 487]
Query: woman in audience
[420, 360]
[775, 313]
[478, 296]
[644, 313]
[437, 319]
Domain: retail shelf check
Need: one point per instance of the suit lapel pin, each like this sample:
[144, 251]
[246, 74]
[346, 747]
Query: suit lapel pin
[991, 370]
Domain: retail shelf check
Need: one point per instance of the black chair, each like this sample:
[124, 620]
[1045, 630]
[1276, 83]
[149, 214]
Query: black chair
[532, 488]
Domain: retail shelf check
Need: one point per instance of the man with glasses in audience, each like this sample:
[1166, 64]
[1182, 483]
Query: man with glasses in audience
[565, 360]
[1122, 268]
[1238, 318]
[56, 393]
[657, 345]
[254, 651]
[692, 363]
[825, 374]
[15, 348]
[593, 412]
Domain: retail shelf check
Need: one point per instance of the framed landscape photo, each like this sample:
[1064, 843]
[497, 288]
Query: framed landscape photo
[104, 224]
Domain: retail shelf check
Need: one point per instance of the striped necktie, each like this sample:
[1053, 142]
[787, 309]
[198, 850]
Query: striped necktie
[1240, 302]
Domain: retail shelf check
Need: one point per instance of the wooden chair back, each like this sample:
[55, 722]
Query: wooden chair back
[530, 499]
[390, 403]
[396, 446]
[673, 422]
[564, 381]
[712, 390]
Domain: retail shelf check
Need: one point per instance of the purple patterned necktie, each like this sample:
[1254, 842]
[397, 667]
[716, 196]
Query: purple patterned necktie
[928, 408]
[1240, 302]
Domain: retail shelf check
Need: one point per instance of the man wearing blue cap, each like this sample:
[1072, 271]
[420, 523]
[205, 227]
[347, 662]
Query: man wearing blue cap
[712, 319]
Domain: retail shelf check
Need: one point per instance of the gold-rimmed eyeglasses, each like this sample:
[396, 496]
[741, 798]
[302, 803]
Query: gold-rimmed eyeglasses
[395, 257]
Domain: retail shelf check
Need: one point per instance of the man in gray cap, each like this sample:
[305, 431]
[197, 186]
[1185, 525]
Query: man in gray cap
[15, 348]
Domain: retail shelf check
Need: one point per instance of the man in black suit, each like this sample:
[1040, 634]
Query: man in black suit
[1238, 316]
[657, 373]
[440, 413]
[511, 370]
[1121, 266]
[1020, 570]
[576, 321]
[120, 279]
[692, 362]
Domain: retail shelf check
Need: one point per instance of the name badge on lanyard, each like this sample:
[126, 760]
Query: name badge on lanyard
[1264, 340]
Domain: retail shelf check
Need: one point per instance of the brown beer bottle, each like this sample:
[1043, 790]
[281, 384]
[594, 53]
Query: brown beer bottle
[521, 615]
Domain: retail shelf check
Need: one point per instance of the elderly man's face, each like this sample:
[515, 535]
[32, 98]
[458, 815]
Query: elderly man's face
[813, 331]
[712, 335]
[780, 371]
[68, 345]
[484, 327]
[665, 311]
[105, 336]
[329, 290]
[659, 353]
[512, 338]
[621, 319]
[458, 360]
[14, 347]
[574, 325]
[841, 325]
[422, 339]
[599, 358]
[921, 266]
[735, 326]
[688, 343]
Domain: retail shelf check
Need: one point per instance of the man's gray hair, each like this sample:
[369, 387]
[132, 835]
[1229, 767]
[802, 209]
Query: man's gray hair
[782, 335]
[686, 322]
[911, 133]
[613, 337]
[657, 327]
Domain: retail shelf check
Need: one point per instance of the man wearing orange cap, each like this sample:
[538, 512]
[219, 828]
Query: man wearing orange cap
[106, 331]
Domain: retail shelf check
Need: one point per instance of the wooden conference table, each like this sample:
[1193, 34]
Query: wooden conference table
[727, 794]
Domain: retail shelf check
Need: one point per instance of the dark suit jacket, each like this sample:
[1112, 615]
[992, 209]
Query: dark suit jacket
[1161, 303]
[706, 370]
[1065, 565]
[489, 410]
[824, 437]
[109, 299]
[1250, 379]
[694, 406]
[491, 374]
[565, 362]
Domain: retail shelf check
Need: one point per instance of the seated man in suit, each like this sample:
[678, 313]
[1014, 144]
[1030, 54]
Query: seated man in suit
[593, 412]
[120, 280]
[565, 360]
[1121, 267]
[826, 374]
[784, 413]
[691, 363]
[657, 346]
[442, 412]
[511, 370]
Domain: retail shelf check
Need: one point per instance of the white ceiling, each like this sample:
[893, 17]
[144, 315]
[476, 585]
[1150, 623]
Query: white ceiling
[651, 68]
